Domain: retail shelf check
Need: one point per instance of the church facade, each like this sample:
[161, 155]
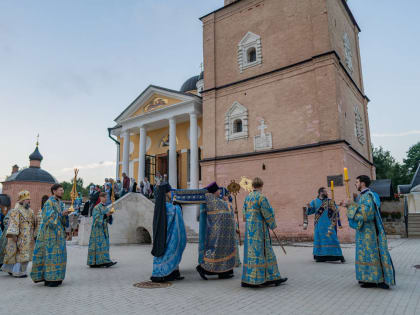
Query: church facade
[281, 97]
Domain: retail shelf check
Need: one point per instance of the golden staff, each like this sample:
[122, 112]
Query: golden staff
[234, 189]
[334, 218]
[73, 193]
[112, 196]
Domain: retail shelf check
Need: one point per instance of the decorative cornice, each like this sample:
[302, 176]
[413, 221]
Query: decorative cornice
[332, 52]
[289, 149]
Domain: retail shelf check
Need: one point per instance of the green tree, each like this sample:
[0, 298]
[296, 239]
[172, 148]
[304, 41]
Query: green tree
[67, 186]
[388, 168]
[384, 163]
[413, 159]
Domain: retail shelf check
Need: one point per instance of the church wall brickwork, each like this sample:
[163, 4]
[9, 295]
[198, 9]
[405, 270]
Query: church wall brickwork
[36, 189]
[291, 31]
[291, 180]
[339, 23]
[298, 106]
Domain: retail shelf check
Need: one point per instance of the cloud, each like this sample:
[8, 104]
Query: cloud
[401, 134]
[89, 166]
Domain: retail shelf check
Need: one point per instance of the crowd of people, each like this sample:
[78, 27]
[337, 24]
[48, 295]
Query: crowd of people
[41, 238]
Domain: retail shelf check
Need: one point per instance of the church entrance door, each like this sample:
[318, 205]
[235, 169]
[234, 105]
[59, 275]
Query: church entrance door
[162, 164]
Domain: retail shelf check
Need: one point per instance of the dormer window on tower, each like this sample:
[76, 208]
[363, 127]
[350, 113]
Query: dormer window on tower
[249, 51]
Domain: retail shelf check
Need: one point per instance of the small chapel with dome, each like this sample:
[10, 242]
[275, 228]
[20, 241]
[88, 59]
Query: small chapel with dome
[33, 178]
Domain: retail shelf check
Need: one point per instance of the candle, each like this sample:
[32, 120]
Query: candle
[332, 185]
[346, 174]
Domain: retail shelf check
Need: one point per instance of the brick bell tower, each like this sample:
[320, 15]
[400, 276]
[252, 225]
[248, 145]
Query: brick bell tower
[284, 100]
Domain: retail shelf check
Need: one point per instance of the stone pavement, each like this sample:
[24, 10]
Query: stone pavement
[323, 288]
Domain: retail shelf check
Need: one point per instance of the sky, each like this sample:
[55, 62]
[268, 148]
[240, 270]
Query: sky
[69, 67]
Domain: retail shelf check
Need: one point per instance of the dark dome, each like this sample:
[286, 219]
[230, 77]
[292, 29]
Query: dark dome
[36, 156]
[190, 84]
[201, 76]
[4, 200]
[32, 174]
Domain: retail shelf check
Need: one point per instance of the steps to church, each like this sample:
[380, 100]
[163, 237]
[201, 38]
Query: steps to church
[414, 225]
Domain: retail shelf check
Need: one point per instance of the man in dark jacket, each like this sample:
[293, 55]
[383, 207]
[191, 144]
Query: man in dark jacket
[94, 199]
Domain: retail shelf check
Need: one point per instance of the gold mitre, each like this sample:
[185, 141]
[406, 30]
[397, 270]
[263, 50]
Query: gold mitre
[24, 195]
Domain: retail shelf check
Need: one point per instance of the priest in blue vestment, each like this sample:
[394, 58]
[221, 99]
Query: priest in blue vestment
[260, 263]
[326, 243]
[217, 241]
[98, 252]
[50, 254]
[169, 237]
[374, 267]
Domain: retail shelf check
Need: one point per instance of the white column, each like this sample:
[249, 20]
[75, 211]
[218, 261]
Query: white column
[117, 169]
[142, 154]
[194, 173]
[172, 153]
[126, 153]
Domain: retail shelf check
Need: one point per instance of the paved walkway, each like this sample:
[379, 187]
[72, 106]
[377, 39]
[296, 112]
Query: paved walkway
[323, 288]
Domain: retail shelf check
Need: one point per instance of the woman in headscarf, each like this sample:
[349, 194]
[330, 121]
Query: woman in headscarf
[169, 237]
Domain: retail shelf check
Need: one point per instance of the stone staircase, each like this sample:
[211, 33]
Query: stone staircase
[192, 236]
[414, 225]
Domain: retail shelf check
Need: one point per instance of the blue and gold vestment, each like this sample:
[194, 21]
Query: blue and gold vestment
[217, 245]
[260, 263]
[98, 253]
[326, 243]
[373, 261]
[50, 254]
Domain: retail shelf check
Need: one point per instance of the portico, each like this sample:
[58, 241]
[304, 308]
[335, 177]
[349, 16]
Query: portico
[161, 123]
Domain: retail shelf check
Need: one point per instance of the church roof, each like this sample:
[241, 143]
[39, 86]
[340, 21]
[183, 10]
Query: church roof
[405, 189]
[383, 187]
[190, 84]
[416, 178]
[32, 174]
[36, 155]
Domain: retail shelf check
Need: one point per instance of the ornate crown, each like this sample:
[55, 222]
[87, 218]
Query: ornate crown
[24, 195]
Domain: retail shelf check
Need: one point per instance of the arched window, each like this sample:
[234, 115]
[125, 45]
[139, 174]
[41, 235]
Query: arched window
[251, 55]
[249, 51]
[236, 122]
[237, 126]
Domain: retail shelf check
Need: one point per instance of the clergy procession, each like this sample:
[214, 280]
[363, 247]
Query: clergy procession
[218, 156]
[41, 239]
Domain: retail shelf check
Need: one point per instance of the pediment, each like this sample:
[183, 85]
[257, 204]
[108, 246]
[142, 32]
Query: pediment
[156, 101]
[151, 99]
[236, 109]
[249, 38]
